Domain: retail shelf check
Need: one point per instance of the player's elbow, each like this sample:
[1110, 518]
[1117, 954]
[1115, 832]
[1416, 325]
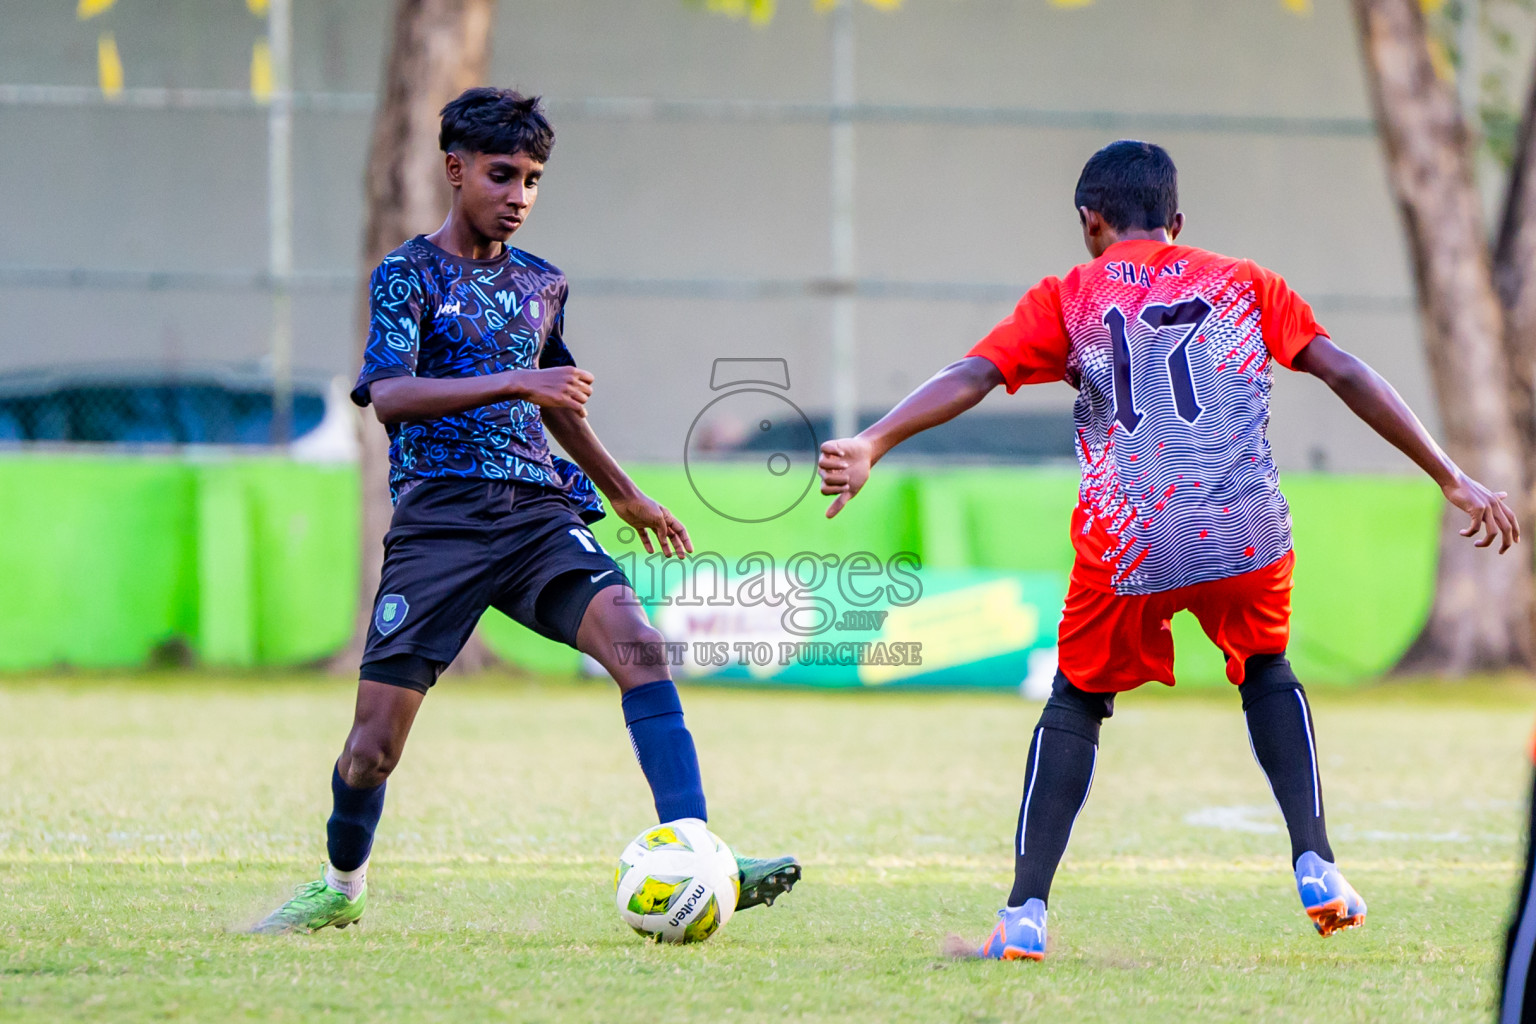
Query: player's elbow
[976, 375]
[386, 402]
[1332, 365]
[1346, 375]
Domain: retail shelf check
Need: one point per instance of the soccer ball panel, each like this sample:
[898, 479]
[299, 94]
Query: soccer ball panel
[663, 836]
[705, 923]
[656, 895]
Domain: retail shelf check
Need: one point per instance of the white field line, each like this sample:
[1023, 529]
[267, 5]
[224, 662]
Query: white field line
[1266, 821]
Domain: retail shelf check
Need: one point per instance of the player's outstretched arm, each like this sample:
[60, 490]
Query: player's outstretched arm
[407, 398]
[629, 503]
[845, 463]
[1375, 401]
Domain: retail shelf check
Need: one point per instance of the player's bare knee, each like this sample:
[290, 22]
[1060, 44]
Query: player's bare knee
[639, 655]
[623, 639]
[367, 762]
[643, 633]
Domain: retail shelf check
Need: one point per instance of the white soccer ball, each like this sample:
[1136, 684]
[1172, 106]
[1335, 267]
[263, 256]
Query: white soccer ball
[677, 882]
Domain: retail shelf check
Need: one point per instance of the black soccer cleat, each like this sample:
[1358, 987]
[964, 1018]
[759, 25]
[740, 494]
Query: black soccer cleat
[764, 880]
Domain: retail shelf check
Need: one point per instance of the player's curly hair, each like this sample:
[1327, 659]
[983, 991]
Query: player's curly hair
[1130, 184]
[487, 120]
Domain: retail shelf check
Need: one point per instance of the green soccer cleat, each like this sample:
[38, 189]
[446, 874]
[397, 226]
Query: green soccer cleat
[313, 906]
[764, 880]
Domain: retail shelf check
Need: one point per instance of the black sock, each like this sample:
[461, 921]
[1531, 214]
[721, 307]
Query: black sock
[354, 815]
[1517, 994]
[1057, 778]
[1280, 732]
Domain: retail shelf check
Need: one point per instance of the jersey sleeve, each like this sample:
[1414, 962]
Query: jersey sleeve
[395, 303]
[1030, 345]
[554, 352]
[1284, 317]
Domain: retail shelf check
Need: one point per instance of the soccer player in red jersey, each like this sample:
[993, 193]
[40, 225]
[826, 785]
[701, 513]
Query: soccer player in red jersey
[1170, 349]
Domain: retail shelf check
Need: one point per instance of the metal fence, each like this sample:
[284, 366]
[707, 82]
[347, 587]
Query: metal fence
[842, 115]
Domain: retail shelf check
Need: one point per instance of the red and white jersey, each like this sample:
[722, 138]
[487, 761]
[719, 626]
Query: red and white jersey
[1171, 351]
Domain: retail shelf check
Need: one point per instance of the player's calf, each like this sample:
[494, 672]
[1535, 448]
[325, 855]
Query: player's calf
[385, 711]
[1284, 743]
[1058, 775]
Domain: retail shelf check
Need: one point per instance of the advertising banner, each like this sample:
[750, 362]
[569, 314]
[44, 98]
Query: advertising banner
[855, 621]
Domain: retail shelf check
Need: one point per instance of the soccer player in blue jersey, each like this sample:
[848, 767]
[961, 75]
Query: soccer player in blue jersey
[466, 364]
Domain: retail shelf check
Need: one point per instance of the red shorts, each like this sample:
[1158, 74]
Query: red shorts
[1113, 642]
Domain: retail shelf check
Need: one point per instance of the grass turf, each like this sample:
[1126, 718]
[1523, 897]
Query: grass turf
[145, 820]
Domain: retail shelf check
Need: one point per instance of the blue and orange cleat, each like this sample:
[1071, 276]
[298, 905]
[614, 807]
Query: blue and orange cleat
[1019, 935]
[1331, 902]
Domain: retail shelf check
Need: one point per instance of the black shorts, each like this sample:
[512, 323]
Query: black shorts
[457, 547]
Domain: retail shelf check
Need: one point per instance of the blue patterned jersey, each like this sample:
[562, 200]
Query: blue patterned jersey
[434, 314]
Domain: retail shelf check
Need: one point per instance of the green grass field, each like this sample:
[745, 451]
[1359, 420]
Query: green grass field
[145, 820]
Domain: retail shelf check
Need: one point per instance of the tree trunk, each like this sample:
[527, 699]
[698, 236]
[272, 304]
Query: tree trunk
[438, 49]
[1481, 617]
[1514, 258]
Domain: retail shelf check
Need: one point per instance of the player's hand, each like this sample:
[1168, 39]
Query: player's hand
[649, 517]
[1490, 516]
[561, 387]
[844, 467]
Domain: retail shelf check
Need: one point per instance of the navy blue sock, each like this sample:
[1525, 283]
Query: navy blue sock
[664, 748]
[354, 816]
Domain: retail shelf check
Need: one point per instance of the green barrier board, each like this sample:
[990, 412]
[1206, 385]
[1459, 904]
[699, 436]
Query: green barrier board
[244, 561]
[250, 561]
[885, 624]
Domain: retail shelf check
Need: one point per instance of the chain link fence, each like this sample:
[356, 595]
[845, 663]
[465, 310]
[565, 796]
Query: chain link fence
[126, 406]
